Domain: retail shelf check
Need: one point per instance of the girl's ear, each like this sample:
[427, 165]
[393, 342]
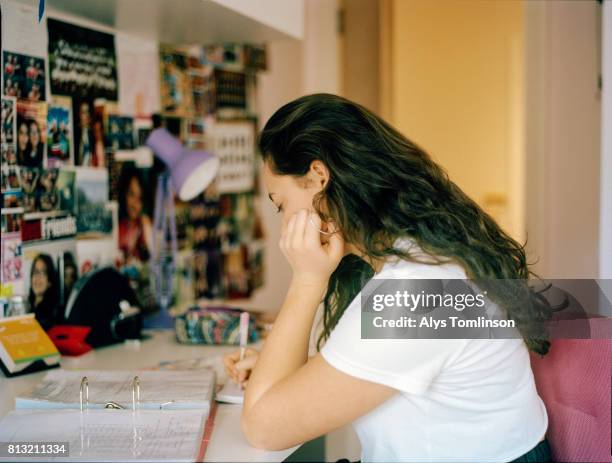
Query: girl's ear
[319, 173]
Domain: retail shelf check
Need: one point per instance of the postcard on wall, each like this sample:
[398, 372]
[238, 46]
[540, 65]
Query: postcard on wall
[119, 133]
[234, 145]
[94, 220]
[143, 126]
[21, 30]
[138, 68]
[230, 89]
[59, 132]
[47, 190]
[23, 76]
[95, 253]
[176, 92]
[236, 273]
[11, 199]
[82, 61]
[88, 116]
[10, 178]
[31, 133]
[11, 271]
[9, 131]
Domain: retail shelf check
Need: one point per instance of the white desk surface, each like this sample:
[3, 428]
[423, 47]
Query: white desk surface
[227, 442]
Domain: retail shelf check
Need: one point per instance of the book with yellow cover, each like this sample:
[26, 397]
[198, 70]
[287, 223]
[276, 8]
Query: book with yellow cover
[24, 346]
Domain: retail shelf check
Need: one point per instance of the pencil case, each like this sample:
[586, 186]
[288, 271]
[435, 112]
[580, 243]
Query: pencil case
[212, 325]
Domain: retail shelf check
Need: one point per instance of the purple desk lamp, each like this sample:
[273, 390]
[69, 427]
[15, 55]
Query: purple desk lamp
[188, 173]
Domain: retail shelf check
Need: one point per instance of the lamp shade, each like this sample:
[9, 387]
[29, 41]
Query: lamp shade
[190, 171]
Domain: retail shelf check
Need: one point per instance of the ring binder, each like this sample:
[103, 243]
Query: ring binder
[110, 404]
[91, 410]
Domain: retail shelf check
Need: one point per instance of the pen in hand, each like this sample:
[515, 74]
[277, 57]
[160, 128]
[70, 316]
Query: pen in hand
[244, 335]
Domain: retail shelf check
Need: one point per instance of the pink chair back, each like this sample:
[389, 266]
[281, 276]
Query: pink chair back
[574, 381]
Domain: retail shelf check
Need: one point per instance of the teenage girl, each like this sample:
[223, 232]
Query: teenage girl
[360, 200]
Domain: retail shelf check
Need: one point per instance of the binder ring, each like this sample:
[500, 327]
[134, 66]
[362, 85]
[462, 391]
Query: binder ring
[85, 387]
[84, 395]
[114, 405]
[135, 393]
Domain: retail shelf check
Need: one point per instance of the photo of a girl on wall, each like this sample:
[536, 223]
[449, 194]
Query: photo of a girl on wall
[44, 295]
[135, 228]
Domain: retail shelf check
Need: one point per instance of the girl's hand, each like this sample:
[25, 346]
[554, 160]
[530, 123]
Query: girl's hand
[240, 370]
[312, 262]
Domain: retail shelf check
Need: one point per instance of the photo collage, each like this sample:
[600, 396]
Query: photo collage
[78, 183]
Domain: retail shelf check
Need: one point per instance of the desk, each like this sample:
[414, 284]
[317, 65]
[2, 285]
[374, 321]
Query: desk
[227, 441]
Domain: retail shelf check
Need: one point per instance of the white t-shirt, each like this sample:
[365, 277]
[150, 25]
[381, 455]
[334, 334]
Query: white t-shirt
[460, 399]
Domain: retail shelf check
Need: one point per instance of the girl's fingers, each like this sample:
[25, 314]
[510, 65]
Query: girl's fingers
[250, 351]
[312, 238]
[289, 232]
[335, 246]
[299, 229]
[243, 374]
[247, 363]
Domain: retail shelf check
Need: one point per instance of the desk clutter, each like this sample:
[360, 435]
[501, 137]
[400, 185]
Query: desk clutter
[115, 415]
[78, 183]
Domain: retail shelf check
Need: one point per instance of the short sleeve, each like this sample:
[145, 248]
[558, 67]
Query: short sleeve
[408, 365]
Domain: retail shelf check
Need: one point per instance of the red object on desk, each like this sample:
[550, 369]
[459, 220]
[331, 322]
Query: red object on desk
[70, 339]
[208, 429]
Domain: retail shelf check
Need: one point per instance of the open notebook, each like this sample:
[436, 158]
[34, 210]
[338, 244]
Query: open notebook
[108, 435]
[167, 390]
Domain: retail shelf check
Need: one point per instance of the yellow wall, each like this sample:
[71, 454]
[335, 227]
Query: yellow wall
[456, 90]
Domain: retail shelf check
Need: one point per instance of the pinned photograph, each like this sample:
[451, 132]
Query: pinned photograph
[10, 178]
[119, 133]
[59, 132]
[82, 61]
[94, 219]
[31, 133]
[9, 131]
[24, 76]
[11, 261]
[47, 190]
[176, 92]
[88, 134]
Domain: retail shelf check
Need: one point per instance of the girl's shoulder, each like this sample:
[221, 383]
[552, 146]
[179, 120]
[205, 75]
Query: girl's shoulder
[421, 264]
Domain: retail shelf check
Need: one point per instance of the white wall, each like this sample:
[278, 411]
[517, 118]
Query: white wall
[321, 47]
[562, 138]
[296, 69]
[284, 15]
[281, 83]
[605, 233]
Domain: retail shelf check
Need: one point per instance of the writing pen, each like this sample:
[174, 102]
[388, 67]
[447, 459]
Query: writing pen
[244, 333]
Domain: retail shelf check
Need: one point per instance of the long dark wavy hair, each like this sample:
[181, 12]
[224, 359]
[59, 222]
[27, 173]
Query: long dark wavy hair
[382, 187]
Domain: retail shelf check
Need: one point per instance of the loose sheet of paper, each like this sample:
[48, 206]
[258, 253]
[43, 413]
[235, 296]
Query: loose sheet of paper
[158, 389]
[230, 393]
[109, 435]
